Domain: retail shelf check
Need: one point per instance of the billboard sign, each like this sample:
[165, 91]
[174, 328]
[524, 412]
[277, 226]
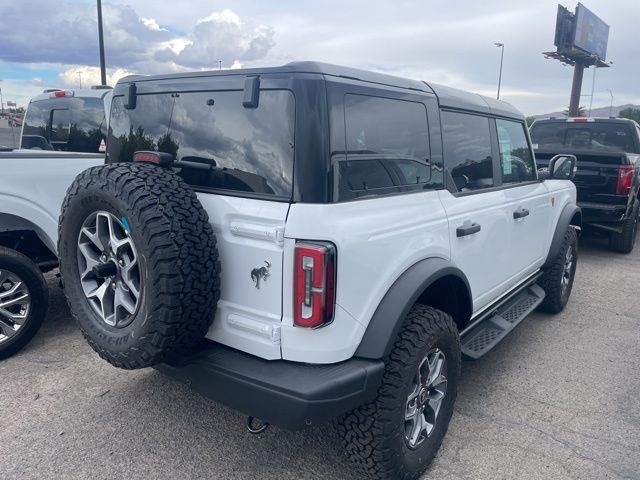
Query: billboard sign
[11, 104]
[591, 34]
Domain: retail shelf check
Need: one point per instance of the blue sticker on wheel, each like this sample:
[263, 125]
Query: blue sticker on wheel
[125, 224]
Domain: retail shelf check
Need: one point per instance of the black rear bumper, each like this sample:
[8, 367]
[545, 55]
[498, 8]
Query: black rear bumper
[602, 213]
[288, 394]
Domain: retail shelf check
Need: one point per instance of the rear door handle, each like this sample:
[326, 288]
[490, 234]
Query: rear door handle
[465, 230]
[520, 213]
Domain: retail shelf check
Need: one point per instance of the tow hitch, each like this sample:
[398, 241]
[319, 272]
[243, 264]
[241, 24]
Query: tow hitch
[256, 426]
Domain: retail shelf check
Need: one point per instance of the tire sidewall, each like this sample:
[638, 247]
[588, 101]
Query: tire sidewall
[29, 273]
[89, 201]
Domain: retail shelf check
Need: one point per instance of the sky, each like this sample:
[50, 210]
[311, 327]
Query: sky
[55, 44]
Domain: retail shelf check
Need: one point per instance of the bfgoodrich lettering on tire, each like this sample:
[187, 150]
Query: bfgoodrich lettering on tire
[398, 434]
[139, 263]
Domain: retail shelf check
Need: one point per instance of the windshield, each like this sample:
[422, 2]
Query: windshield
[592, 136]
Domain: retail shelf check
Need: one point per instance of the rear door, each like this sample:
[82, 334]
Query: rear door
[239, 160]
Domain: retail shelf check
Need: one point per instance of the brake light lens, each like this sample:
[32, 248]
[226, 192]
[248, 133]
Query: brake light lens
[625, 179]
[61, 93]
[314, 284]
[144, 156]
[580, 120]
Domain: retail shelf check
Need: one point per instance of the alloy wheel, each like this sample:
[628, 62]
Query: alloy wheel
[15, 304]
[109, 269]
[428, 390]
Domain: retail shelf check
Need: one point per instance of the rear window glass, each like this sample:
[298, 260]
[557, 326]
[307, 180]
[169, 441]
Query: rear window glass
[592, 136]
[387, 144]
[217, 143]
[69, 124]
[60, 125]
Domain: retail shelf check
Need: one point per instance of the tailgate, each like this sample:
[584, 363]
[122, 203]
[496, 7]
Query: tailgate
[597, 175]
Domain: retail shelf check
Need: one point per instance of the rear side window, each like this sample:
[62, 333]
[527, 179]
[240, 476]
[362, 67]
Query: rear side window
[616, 136]
[387, 143]
[515, 156]
[74, 124]
[217, 143]
[467, 150]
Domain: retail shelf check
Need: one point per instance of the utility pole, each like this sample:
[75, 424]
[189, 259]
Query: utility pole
[103, 71]
[501, 46]
[1, 102]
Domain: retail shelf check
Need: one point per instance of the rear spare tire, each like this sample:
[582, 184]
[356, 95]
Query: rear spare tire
[139, 262]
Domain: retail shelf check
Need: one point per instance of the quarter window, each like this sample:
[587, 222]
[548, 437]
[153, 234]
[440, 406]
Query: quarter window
[387, 144]
[515, 156]
[467, 150]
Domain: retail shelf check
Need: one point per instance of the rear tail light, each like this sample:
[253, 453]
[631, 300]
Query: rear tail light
[625, 179]
[159, 158]
[314, 284]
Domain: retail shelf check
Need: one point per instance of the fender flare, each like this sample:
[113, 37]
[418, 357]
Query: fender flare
[383, 328]
[564, 221]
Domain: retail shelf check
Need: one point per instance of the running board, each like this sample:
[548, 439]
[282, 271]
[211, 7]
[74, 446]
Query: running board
[488, 333]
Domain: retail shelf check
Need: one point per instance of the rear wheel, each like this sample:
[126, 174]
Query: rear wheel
[23, 301]
[398, 434]
[624, 241]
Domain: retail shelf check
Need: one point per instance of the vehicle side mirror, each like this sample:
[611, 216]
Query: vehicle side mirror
[563, 167]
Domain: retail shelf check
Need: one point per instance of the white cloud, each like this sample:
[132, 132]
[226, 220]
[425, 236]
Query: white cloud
[70, 77]
[220, 36]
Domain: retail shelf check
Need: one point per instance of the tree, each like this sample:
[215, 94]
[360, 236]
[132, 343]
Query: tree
[530, 120]
[632, 113]
[582, 112]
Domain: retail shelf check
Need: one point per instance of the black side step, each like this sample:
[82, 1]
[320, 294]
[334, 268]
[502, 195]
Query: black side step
[487, 334]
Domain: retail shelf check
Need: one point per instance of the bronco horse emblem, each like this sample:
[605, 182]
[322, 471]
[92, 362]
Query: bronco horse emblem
[260, 273]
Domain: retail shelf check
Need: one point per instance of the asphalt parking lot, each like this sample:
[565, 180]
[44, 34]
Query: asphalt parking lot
[559, 398]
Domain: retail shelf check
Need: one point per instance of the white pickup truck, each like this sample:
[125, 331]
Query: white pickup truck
[63, 133]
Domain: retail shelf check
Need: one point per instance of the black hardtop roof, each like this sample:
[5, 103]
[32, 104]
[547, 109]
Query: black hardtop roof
[448, 97]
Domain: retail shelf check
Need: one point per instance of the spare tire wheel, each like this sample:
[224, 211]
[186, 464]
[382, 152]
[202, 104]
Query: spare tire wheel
[139, 263]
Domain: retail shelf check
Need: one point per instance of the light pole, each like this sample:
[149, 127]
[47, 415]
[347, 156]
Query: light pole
[219, 64]
[611, 104]
[103, 71]
[1, 103]
[80, 79]
[593, 86]
[501, 46]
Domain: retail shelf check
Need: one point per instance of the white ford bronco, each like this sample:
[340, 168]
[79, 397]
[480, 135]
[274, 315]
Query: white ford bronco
[312, 242]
